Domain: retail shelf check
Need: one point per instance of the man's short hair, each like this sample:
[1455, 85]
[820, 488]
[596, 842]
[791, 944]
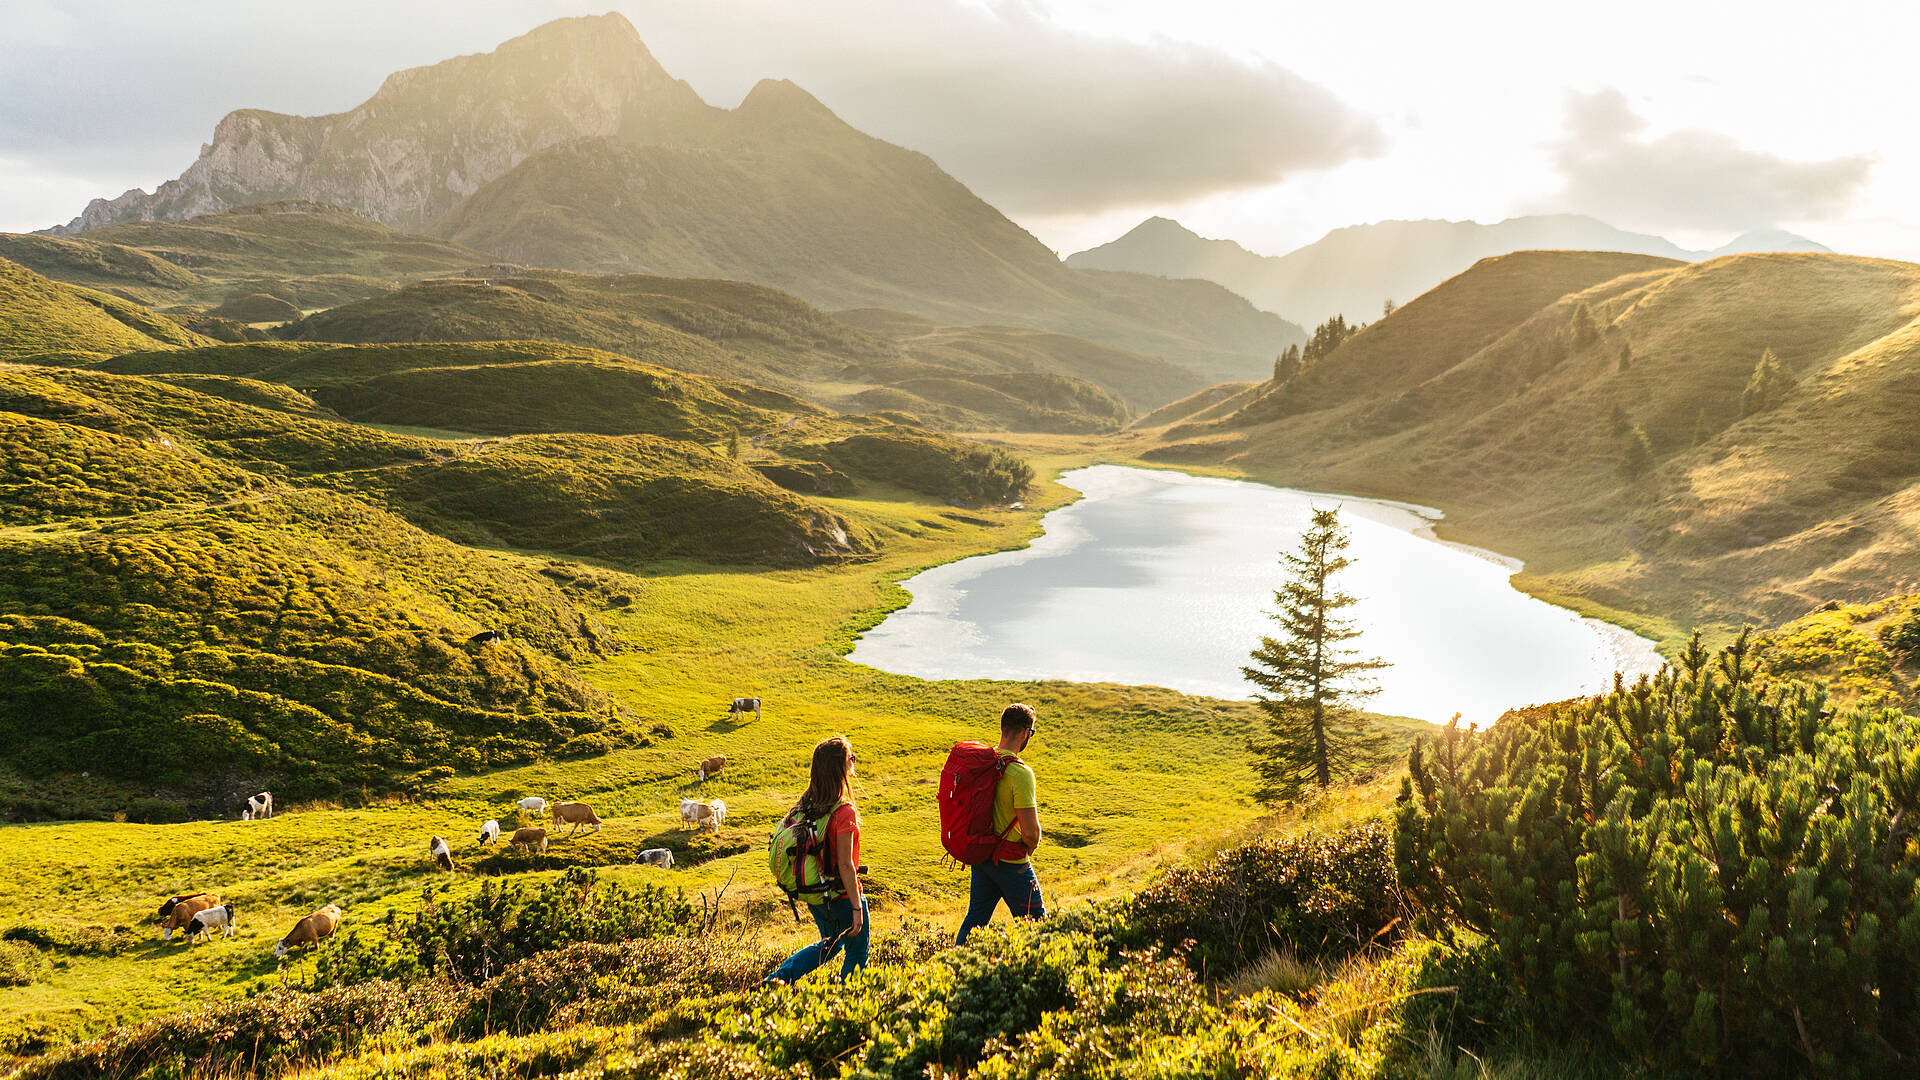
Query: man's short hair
[1018, 717]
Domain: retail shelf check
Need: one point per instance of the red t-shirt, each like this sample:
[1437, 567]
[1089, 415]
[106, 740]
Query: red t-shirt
[845, 820]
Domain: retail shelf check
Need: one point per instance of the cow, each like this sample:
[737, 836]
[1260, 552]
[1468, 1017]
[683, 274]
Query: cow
[529, 838]
[181, 910]
[166, 909]
[308, 931]
[711, 767]
[258, 806]
[490, 831]
[533, 804]
[441, 854]
[578, 813]
[696, 813]
[659, 856]
[744, 705]
[208, 920]
[486, 637]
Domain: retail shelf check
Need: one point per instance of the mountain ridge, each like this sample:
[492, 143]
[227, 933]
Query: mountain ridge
[1354, 269]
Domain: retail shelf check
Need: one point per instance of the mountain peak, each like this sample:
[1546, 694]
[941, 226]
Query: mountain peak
[442, 130]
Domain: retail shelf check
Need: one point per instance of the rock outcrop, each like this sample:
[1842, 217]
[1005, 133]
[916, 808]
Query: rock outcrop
[432, 135]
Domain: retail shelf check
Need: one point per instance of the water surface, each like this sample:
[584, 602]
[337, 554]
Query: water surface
[1164, 579]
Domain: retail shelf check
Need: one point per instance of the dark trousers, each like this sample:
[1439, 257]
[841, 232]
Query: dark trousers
[834, 918]
[1014, 882]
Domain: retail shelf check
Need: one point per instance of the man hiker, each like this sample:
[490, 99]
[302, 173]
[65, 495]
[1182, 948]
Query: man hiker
[1016, 819]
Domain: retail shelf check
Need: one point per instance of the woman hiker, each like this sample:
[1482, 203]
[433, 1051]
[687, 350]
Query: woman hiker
[842, 916]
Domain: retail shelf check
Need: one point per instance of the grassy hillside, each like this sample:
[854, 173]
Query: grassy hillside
[244, 574]
[46, 320]
[930, 349]
[1746, 510]
[707, 327]
[309, 255]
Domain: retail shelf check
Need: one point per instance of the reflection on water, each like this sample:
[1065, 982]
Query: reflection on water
[1160, 578]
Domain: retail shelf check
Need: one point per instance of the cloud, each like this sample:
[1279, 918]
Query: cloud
[1689, 179]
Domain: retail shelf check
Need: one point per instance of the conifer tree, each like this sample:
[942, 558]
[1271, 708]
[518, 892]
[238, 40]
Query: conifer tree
[1618, 419]
[1638, 459]
[1766, 388]
[1585, 330]
[1702, 428]
[1310, 682]
[1287, 364]
[1388, 307]
[733, 444]
[1626, 356]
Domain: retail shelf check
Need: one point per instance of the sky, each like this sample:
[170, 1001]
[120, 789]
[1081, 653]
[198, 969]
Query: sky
[1269, 124]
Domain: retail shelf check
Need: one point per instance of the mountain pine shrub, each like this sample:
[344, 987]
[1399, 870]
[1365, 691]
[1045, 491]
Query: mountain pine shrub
[1701, 870]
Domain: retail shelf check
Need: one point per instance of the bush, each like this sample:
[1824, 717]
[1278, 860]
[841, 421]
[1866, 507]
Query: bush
[472, 940]
[1695, 873]
[1319, 896]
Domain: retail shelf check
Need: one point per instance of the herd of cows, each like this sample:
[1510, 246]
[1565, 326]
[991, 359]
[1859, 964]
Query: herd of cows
[199, 914]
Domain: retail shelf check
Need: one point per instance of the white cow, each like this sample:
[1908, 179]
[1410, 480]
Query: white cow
[489, 832]
[533, 804]
[696, 813]
[744, 705]
[258, 806]
[210, 919]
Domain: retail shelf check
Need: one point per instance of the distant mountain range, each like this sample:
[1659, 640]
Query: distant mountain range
[570, 147]
[1355, 270]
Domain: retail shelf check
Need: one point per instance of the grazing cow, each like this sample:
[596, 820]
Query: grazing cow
[181, 911]
[696, 813]
[659, 856]
[578, 813]
[166, 909]
[711, 767]
[489, 832]
[259, 806]
[310, 930]
[529, 838]
[486, 637]
[213, 918]
[441, 854]
[744, 705]
[533, 804]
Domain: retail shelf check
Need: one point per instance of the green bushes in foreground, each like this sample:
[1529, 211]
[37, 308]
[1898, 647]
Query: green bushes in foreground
[1690, 871]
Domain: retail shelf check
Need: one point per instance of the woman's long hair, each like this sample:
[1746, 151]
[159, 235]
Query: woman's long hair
[829, 785]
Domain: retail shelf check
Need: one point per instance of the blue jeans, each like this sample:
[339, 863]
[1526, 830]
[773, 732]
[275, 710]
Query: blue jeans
[1014, 882]
[834, 918]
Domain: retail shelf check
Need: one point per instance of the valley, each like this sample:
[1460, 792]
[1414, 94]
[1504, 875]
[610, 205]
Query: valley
[485, 440]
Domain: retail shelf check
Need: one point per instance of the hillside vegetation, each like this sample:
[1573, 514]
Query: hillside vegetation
[1615, 435]
[301, 255]
[43, 320]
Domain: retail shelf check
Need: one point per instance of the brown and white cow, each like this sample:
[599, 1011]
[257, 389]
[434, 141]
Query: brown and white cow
[441, 853]
[711, 767]
[178, 911]
[576, 813]
[314, 928]
[529, 838]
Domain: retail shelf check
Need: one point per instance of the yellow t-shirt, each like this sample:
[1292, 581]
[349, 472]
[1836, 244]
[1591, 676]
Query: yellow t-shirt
[1016, 791]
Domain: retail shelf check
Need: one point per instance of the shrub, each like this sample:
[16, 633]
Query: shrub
[1700, 875]
[472, 940]
[1320, 896]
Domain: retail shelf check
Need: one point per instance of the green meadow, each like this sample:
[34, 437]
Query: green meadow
[1131, 778]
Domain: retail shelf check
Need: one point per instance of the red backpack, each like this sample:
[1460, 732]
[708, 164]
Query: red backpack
[967, 786]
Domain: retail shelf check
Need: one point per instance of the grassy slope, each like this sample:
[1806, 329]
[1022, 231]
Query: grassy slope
[307, 254]
[1141, 381]
[1507, 426]
[48, 320]
[708, 327]
[1130, 777]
